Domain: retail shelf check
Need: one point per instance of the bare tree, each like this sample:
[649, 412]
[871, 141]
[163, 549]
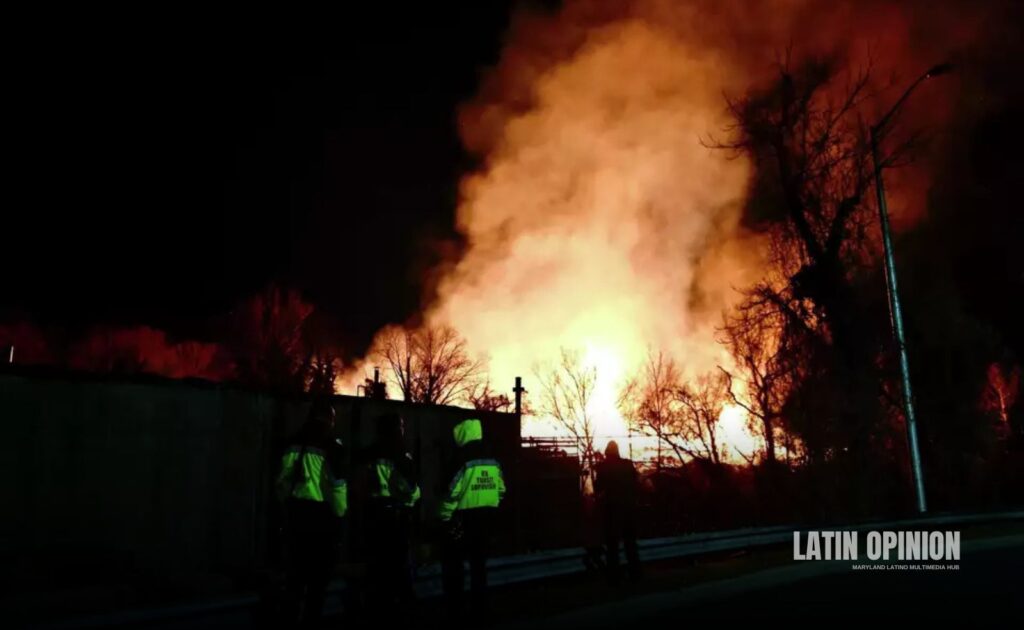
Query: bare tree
[809, 141]
[143, 349]
[756, 336]
[684, 417]
[807, 137]
[268, 338]
[430, 365]
[702, 403]
[397, 347]
[813, 155]
[649, 402]
[566, 389]
[483, 398]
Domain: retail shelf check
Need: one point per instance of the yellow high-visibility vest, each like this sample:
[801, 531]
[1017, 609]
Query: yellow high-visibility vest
[480, 483]
[306, 475]
[392, 484]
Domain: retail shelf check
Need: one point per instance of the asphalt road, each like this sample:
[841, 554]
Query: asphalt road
[987, 587]
[765, 586]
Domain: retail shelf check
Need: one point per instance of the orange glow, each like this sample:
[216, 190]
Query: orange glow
[1001, 391]
[734, 433]
[600, 217]
[597, 221]
[600, 223]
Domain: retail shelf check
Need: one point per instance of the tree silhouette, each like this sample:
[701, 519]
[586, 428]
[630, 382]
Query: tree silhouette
[807, 137]
[483, 398]
[650, 403]
[144, 350]
[267, 338]
[702, 402]
[756, 334]
[566, 389]
[683, 416]
[429, 365]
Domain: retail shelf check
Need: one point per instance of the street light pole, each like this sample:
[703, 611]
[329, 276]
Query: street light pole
[895, 309]
[896, 315]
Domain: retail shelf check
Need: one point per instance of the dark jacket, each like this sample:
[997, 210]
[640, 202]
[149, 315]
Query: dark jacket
[616, 484]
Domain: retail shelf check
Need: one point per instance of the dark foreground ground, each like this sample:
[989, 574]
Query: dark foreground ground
[987, 587]
[763, 585]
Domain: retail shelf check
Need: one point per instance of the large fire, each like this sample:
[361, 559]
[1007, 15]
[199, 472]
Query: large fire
[599, 222]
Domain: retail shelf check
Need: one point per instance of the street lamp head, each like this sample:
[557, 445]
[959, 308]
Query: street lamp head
[942, 68]
[934, 71]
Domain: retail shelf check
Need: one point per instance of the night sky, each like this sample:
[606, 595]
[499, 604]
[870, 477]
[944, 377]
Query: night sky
[165, 166]
[169, 165]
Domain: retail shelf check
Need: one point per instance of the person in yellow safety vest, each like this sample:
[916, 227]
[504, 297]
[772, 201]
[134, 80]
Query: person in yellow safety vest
[474, 494]
[391, 496]
[313, 489]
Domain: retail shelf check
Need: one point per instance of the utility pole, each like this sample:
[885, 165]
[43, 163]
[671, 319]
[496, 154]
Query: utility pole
[895, 308]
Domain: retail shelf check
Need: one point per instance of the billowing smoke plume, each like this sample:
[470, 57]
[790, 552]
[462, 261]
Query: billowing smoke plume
[598, 219]
[588, 225]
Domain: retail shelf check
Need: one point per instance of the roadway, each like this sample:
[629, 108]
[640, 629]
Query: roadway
[729, 585]
[987, 586]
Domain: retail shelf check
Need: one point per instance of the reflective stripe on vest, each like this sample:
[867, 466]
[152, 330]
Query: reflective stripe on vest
[479, 483]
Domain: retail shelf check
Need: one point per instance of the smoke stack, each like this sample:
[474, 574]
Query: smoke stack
[376, 375]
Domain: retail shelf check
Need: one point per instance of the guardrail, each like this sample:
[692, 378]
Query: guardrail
[562, 562]
[510, 570]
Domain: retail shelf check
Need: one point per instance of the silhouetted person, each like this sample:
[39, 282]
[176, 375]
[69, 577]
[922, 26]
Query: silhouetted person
[392, 492]
[468, 511]
[616, 490]
[315, 496]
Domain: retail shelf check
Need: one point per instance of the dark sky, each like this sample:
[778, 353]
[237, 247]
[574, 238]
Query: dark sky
[168, 165]
[164, 166]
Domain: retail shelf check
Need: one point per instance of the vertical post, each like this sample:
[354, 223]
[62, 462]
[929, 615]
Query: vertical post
[519, 391]
[408, 378]
[896, 317]
[517, 494]
[10, 355]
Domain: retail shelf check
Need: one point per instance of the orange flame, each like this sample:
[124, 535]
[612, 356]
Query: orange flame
[599, 222]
